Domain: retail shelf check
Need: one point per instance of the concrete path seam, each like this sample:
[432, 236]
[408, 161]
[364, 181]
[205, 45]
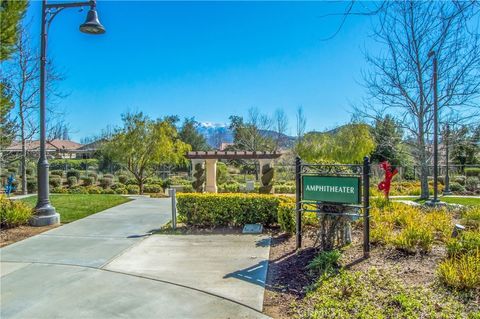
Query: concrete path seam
[138, 276]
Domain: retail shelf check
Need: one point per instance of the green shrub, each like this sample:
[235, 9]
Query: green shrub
[227, 209]
[117, 185]
[471, 183]
[57, 173]
[93, 175]
[72, 181]
[154, 181]
[108, 191]
[284, 189]
[121, 190]
[108, 176]
[471, 218]
[233, 187]
[29, 171]
[152, 188]
[12, 170]
[94, 190]
[105, 182]
[55, 181]
[78, 164]
[468, 242]
[286, 217]
[459, 179]
[32, 185]
[78, 190]
[187, 189]
[122, 178]
[74, 173]
[457, 187]
[13, 213]
[87, 181]
[222, 173]
[131, 181]
[472, 171]
[59, 190]
[325, 263]
[133, 189]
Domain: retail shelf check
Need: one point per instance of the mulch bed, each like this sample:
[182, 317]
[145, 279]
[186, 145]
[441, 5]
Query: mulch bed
[12, 235]
[288, 277]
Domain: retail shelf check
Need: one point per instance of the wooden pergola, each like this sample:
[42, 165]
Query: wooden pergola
[210, 158]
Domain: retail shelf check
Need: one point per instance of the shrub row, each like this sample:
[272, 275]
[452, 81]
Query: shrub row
[228, 209]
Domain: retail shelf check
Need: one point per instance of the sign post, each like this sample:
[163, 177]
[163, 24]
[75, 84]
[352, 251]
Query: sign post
[298, 209]
[173, 195]
[337, 190]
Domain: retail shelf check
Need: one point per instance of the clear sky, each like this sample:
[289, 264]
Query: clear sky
[207, 60]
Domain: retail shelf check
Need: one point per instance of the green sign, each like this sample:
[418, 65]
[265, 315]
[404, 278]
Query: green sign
[332, 189]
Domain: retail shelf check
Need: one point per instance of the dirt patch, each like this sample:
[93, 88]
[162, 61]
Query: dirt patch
[12, 235]
[288, 277]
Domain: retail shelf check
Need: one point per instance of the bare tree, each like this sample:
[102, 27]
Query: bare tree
[400, 79]
[280, 120]
[23, 74]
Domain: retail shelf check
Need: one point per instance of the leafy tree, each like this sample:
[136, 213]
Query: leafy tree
[142, 144]
[7, 131]
[11, 14]
[389, 144]
[465, 144]
[190, 135]
[347, 144]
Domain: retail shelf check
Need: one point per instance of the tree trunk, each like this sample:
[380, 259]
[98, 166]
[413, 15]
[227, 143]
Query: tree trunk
[423, 159]
[23, 159]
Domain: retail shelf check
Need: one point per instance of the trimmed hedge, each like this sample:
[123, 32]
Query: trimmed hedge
[472, 171]
[79, 164]
[55, 181]
[228, 209]
[152, 188]
[74, 173]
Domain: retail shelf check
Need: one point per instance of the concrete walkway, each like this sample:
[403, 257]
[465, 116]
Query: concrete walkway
[87, 269]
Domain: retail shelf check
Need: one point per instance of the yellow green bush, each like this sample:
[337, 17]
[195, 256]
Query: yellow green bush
[408, 228]
[461, 272]
[13, 213]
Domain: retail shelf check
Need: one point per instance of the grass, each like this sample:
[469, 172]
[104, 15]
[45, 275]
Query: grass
[467, 201]
[375, 294]
[76, 206]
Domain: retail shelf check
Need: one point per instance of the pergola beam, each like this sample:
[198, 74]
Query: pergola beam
[232, 155]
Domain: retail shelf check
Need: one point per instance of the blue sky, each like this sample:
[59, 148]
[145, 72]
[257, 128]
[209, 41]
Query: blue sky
[207, 60]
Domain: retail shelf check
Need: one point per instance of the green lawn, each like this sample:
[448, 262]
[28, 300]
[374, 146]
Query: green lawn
[76, 206]
[452, 200]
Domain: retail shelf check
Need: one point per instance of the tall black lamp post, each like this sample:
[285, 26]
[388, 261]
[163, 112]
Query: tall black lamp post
[45, 213]
[446, 190]
[435, 200]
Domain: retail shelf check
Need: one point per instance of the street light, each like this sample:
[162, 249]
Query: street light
[435, 200]
[45, 213]
[446, 190]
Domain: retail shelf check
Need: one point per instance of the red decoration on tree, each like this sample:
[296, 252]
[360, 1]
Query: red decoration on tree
[390, 171]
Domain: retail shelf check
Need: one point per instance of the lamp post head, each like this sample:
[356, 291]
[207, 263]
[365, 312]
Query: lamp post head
[92, 25]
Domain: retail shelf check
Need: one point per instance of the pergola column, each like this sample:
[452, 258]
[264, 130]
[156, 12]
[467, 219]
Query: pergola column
[211, 176]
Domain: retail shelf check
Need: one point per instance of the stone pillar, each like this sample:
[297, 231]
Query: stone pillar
[211, 172]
